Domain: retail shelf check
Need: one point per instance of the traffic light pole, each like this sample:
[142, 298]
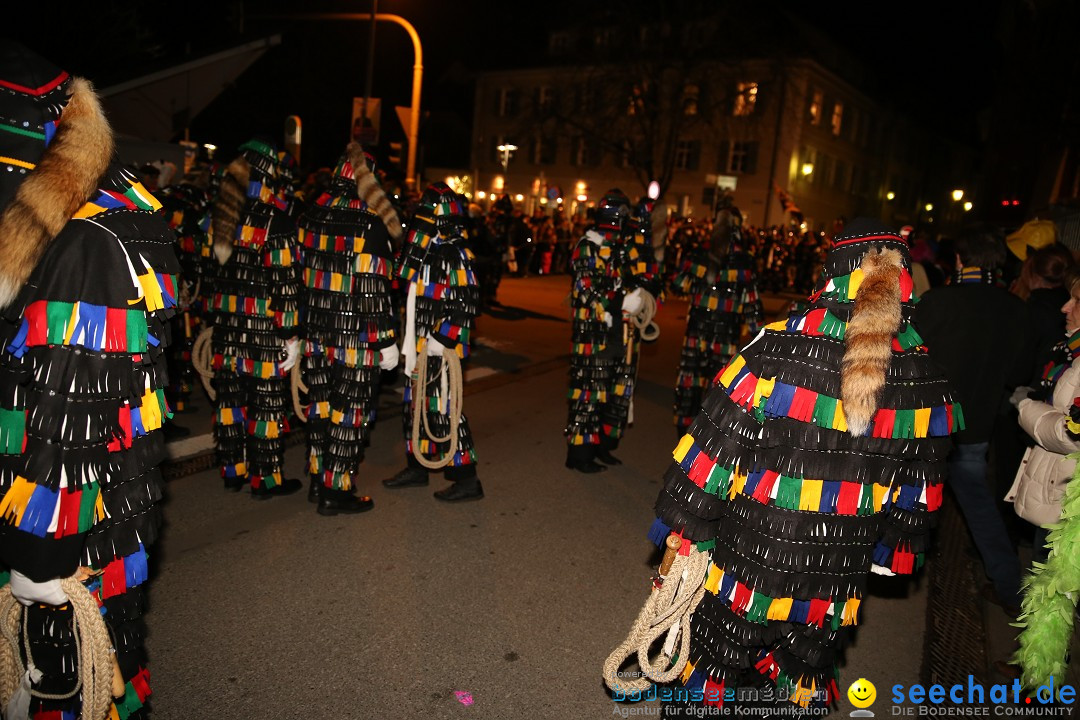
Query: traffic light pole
[418, 74]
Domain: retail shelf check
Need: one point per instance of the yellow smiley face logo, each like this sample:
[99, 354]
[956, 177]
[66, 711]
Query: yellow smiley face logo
[862, 693]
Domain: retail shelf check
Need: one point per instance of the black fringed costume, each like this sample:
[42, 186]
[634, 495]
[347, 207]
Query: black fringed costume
[793, 507]
[253, 306]
[613, 259]
[184, 207]
[437, 271]
[724, 304]
[348, 268]
[81, 372]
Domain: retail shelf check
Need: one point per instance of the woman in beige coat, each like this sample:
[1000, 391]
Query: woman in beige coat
[1040, 483]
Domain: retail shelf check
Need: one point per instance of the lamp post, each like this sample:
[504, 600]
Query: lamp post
[370, 65]
[504, 150]
[418, 73]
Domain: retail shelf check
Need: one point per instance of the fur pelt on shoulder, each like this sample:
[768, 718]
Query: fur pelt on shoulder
[868, 342]
[228, 207]
[65, 178]
[369, 190]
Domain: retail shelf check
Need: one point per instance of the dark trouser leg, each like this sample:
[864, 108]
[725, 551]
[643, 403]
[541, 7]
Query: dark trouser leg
[230, 427]
[354, 391]
[316, 373]
[266, 428]
[967, 478]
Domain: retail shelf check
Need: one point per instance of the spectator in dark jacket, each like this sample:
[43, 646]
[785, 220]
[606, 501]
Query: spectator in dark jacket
[981, 335]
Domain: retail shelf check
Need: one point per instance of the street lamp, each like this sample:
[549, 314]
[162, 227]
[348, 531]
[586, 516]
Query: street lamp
[890, 195]
[807, 168]
[957, 195]
[418, 73]
[968, 206]
[929, 207]
[504, 150]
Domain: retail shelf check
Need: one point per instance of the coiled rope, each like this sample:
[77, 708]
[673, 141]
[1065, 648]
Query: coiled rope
[202, 358]
[667, 610]
[452, 396]
[647, 329]
[99, 675]
[297, 386]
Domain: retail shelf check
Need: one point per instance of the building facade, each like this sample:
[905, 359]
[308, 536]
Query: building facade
[758, 129]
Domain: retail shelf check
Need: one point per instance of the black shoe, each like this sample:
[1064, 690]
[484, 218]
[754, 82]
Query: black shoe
[461, 492]
[409, 477]
[287, 487]
[235, 484]
[605, 456]
[344, 502]
[313, 488]
[586, 466]
[988, 593]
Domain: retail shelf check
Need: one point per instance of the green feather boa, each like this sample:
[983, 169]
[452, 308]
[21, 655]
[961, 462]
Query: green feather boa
[1050, 596]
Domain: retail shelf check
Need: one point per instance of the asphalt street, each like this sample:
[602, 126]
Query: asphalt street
[268, 610]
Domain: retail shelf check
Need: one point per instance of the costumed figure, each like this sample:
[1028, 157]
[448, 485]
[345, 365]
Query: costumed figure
[185, 206]
[724, 304]
[818, 457]
[351, 321]
[254, 318]
[615, 281]
[87, 285]
[442, 301]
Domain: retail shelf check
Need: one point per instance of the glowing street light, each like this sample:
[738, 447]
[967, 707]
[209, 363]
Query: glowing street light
[519, 197]
[505, 149]
[807, 168]
[957, 195]
[929, 207]
[890, 195]
[968, 206]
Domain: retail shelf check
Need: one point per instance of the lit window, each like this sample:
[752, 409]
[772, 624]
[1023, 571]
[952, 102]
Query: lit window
[837, 118]
[745, 98]
[690, 99]
[815, 107]
[636, 101]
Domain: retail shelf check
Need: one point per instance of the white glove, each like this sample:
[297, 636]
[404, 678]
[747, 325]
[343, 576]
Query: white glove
[28, 592]
[291, 351]
[607, 319]
[881, 570]
[632, 303]
[1020, 393]
[434, 348]
[388, 357]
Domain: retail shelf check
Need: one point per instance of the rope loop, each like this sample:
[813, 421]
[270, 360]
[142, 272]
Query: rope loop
[666, 612]
[452, 382]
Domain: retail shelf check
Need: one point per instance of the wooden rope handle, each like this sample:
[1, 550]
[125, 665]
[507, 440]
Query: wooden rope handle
[671, 551]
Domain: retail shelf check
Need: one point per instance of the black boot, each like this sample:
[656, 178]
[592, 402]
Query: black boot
[287, 487]
[603, 451]
[235, 484]
[313, 488]
[409, 477]
[332, 502]
[580, 458]
[461, 491]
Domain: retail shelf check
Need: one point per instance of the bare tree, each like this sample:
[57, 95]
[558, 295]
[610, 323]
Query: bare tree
[647, 82]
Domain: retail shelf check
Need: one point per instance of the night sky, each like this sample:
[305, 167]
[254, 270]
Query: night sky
[935, 61]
